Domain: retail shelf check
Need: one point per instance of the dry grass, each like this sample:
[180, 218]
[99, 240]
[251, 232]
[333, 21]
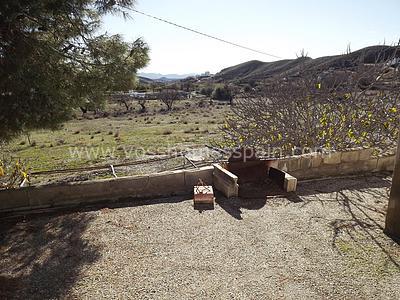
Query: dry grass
[149, 131]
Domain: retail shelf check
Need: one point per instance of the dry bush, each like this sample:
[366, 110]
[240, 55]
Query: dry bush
[12, 173]
[188, 130]
[167, 132]
[168, 97]
[142, 103]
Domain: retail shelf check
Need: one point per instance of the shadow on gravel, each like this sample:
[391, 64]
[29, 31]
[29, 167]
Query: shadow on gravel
[252, 196]
[365, 207]
[365, 221]
[361, 182]
[42, 252]
[41, 258]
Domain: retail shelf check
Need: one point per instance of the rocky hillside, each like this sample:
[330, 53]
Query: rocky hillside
[257, 70]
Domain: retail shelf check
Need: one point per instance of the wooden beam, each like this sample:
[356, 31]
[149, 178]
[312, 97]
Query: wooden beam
[392, 227]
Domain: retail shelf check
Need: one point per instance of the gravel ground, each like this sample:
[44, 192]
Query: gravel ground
[324, 242]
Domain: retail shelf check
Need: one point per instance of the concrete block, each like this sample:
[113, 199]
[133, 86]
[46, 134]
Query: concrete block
[155, 185]
[331, 158]
[357, 167]
[47, 196]
[286, 181]
[76, 192]
[282, 164]
[205, 174]
[293, 163]
[305, 161]
[350, 156]
[316, 160]
[369, 165]
[321, 171]
[166, 184]
[13, 199]
[290, 183]
[131, 186]
[386, 163]
[365, 154]
[225, 181]
[90, 191]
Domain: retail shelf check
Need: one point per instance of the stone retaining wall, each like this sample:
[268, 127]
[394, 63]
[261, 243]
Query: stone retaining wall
[353, 161]
[80, 193]
[315, 165]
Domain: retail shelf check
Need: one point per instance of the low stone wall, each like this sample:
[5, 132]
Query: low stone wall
[79, 193]
[225, 182]
[315, 165]
[353, 161]
[287, 182]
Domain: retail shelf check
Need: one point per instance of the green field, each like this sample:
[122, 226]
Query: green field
[121, 136]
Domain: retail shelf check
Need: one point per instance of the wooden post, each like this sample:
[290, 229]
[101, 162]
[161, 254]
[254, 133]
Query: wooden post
[392, 227]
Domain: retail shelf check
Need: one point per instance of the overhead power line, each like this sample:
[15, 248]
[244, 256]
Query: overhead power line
[201, 33]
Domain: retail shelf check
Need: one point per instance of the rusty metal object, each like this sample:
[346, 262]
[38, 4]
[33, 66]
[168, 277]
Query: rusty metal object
[203, 194]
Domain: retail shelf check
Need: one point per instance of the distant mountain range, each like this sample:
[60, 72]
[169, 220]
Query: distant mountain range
[165, 77]
[257, 70]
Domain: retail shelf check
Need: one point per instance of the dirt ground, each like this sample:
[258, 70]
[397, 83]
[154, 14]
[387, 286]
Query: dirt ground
[324, 242]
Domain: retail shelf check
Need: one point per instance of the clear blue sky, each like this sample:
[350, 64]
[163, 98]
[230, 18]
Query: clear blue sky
[280, 27]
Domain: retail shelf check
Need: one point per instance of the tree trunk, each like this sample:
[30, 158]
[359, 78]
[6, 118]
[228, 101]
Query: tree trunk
[392, 227]
[83, 110]
[126, 105]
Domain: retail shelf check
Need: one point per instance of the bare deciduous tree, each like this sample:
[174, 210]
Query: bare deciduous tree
[123, 99]
[142, 103]
[168, 97]
[334, 109]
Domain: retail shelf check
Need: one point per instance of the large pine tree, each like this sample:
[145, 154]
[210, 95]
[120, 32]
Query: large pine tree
[53, 58]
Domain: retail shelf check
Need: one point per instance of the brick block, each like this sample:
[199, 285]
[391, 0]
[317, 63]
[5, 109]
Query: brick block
[203, 194]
